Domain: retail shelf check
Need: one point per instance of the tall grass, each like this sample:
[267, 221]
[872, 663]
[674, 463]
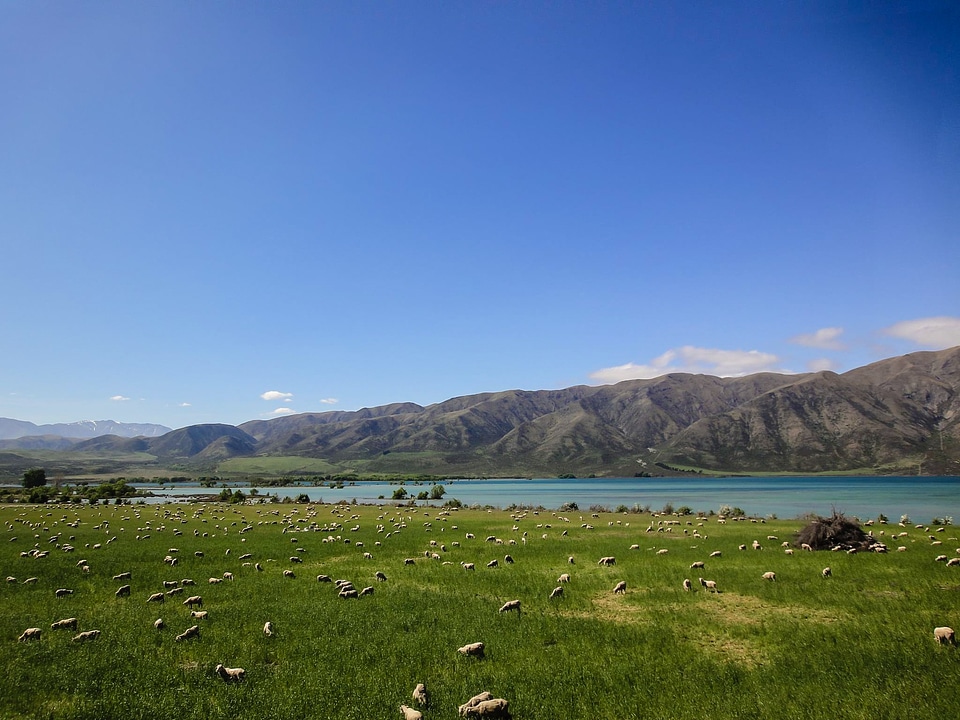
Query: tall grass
[856, 645]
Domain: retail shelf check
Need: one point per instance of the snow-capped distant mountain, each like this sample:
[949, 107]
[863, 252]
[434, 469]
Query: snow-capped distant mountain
[12, 429]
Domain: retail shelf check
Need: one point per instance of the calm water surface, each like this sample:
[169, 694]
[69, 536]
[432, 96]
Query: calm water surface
[922, 498]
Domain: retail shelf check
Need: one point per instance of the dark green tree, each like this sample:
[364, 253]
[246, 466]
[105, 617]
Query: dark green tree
[437, 491]
[34, 477]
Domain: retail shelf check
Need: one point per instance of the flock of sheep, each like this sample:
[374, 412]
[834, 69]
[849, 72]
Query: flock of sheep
[296, 522]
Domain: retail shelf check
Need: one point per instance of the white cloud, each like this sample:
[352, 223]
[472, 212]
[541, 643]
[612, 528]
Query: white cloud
[689, 359]
[935, 332]
[330, 401]
[184, 404]
[276, 395]
[283, 411]
[824, 338]
[821, 364]
[119, 398]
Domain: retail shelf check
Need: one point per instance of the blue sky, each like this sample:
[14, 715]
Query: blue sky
[225, 211]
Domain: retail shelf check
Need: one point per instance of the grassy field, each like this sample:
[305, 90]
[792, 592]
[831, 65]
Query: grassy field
[856, 645]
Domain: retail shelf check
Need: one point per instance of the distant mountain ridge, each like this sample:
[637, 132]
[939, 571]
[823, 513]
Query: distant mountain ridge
[13, 429]
[896, 414]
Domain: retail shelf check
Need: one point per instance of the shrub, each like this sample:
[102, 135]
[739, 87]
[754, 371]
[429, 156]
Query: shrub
[837, 530]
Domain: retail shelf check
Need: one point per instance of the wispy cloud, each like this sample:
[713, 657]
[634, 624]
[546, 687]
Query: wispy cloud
[283, 411]
[119, 398]
[824, 339]
[934, 332]
[689, 359]
[329, 401]
[821, 364]
[184, 404]
[276, 395]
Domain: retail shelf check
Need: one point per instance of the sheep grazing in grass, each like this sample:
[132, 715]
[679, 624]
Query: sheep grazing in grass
[30, 634]
[468, 566]
[687, 585]
[493, 564]
[571, 560]
[472, 649]
[348, 593]
[715, 554]
[65, 624]
[159, 624]
[420, 695]
[123, 591]
[193, 600]
[508, 559]
[620, 588]
[610, 560]
[156, 597]
[187, 581]
[191, 632]
[557, 592]
[268, 629]
[198, 614]
[88, 635]
[409, 561]
[944, 635]
[63, 592]
[565, 578]
[230, 674]
[410, 714]
[122, 576]
[473, 702]
[953, 562]
[380, 576]
[289, 574]
[510, 605]
[167, 584]
[769, 576]
[11, 579]
[709, 584]
[806, 546]
[495, 708]
[214, 581]
[367, 591]
[324, 578]
[697, 564]
[228, 576]
[826, 572]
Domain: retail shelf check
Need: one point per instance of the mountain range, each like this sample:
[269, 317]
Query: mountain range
[896, 415]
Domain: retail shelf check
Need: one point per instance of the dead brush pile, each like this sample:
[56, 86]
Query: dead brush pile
[835, 531]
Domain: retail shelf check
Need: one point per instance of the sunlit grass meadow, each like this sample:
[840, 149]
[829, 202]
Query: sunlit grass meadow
[856, 645]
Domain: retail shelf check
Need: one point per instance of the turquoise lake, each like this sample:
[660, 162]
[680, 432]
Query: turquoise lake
[921, 498]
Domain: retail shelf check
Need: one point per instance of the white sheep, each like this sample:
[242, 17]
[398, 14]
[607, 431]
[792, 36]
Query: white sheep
[806, 546]
[716, 553]
[557, 592]
[193, 600]
[268, 629]
[564, 578]
[697, 564]
[472, 649]
[88, 635]
[121, 576]
[289, 574]
[123, 591]
[198, 614]
[468, 566]
[493, 564]
[420, 695]
[410, 714]
[826, 572]
[30, 634]
[495, 708]
[66, 623]
[510, 605]
[620, 588]
[770, 576]
[380, 576]
[367, 591]
[63, 592]
[687, 585]
[571, 560]
[944, 635]
[953, 562]
[473, 702]
[191, 632]
[709, 584]
[158, 624]
[609, 560]
[156, 597]
[230, 674]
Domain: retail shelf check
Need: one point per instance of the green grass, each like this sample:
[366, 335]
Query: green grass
[857, 645]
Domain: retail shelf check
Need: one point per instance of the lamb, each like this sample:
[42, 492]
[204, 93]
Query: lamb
[380, 576]
[510, 605]
[420, 695]
[88, 635]
[123, 591]
[610, 560]
[66, 623]
[191, 632]
[230, 674]
[473, 702]
[620, 588]
[944, 635]
[410, 714]
[826, 572]
[193, 600]
[687, 585]
[769, 576]
[557, 592]
[495, 708]
[63, 592]
[268, 629]
[30, 634]
[472, 649]
[565, 578]
[198, 614]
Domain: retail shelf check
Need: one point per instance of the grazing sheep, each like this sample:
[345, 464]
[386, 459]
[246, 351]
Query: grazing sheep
[409, 561]
[557, 592]
[420, 695]
[193, 600]
[472, 649]
[410, 714]
[716, 553]
[367, 591]
[66, 623]
[468, 566]
[289, 574]
[697, 564]
[510, 605]
[167, 584]
[348, 593]
[473, 702]
[380, 576]
[324, 578]
[495, 708]
[944, 635]
[122, 576]
[788, 551]
[159, 624]
[826, 572]
[769, 576]
[687, 585]
[610, 560]
[198, 614]
[123, 591]
[565, 578]
[493, 564]
[175, 591]
[709, 584]
[634, 547]
[230, 674]
[952, 562]
[620, 588]
[741, 547]
[258, 566]
[508, 559]
[156, 597]
[570, 560]
[228, 576]
[63, 592]
[30, 634]
[214, 581]
[268, 629]
[187, 581]
[191, 632]
[806, 546]
[88, 635]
